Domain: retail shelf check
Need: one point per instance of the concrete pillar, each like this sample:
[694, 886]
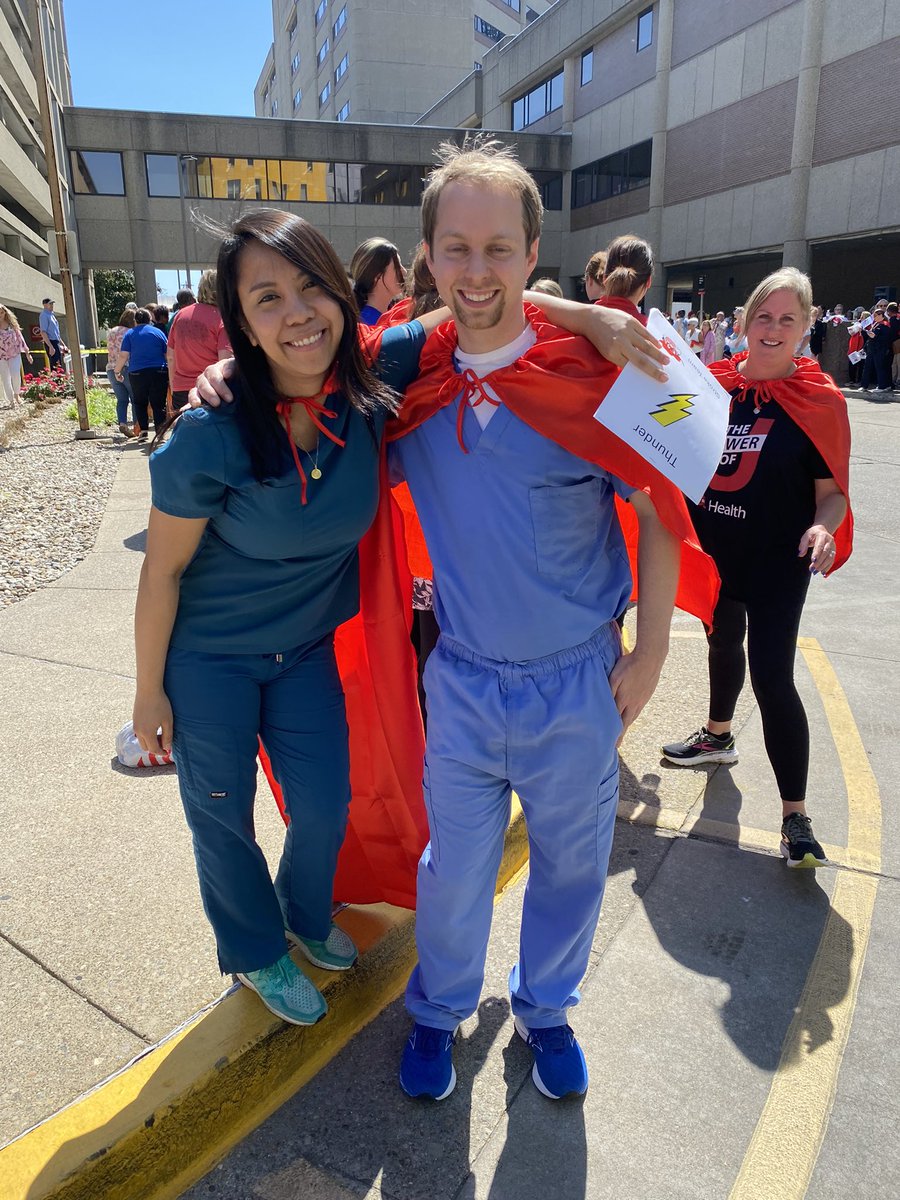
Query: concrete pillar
[796, 247]
[656, 296]
[570, 85]
[143, 259]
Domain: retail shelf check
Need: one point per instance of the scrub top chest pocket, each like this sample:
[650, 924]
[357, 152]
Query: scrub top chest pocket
[566, 524]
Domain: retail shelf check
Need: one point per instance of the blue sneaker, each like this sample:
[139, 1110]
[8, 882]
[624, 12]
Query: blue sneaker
[426, 1068]
[285, 991]
[337, 953]
[559, 1066]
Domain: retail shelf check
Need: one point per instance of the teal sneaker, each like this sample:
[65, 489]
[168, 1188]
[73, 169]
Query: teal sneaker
[285, 991]
[337, 953]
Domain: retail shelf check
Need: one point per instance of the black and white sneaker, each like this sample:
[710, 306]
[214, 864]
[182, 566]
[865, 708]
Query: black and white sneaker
[700, 748]
[798, 843]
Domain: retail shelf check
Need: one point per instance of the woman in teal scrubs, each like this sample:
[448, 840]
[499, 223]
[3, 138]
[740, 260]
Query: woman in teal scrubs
[251, 564]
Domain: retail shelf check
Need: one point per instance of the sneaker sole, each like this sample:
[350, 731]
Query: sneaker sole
[522, 1031]
[427, 1095]
[722, 756]
[808, 861]
[310, 957]
[312, 1020]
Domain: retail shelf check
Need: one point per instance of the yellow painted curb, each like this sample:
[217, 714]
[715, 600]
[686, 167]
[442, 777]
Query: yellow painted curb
[164, 1121]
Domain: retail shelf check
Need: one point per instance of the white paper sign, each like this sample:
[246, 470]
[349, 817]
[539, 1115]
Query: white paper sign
[678, 426]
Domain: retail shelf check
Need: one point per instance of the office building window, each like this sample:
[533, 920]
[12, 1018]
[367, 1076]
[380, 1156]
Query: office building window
[530, 15]
[645, 29]
[489, 31]
[587, 66]
[341, 69]
[162, 174]
[344, 114]
[323, 53]
[550, 183]
[273, 111]
[543, 99]
[298, 96]
[515, 5]
[612, 175]
[321, 10]
[340, 22]
[295, 63]
[324, 94]
[215, 178]
[99, 173]
[292, 29]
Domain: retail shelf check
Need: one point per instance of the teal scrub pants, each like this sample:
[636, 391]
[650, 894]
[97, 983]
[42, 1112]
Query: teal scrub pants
[294, 701]
[548, 729]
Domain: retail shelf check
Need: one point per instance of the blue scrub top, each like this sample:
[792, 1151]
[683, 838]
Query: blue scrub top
[271, 573]
[528, 553]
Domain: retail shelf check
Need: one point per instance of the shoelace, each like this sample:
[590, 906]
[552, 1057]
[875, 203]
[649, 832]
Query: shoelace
[797, 825]
[429, 1043]
[550, 1041]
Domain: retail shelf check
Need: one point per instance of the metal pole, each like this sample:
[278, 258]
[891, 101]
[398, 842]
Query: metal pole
[59, 223]
[182, 159]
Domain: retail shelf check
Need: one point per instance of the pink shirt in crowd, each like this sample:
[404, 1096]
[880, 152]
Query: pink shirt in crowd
[12, 343]
[197, 338]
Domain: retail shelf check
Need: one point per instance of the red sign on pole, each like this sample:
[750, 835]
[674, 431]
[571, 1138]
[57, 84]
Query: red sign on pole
[36, 332]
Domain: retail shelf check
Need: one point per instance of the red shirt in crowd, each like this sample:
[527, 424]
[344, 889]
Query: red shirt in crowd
[197, 338]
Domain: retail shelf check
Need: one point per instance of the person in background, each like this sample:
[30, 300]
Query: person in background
[378, 277]
[121, 387]
[786, 518]
[160, 316]
[549, 287]
[708, 343]
[855, 346]
[876, 376]
[184, 298]
[12, 347]
[680, 324]
[693, 338]
[893, 316]
[817, 333]
[736, 342]
[593, 275]
[56, 347]
[197, 338]
[720, 329]
[143, 352]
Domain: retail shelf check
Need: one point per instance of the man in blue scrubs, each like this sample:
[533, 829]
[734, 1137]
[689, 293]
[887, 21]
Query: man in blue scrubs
[527, 688]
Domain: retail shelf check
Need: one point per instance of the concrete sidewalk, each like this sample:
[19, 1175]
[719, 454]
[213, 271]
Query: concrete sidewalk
[725, 993]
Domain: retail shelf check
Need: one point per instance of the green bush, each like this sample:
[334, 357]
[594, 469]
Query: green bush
[101, 406]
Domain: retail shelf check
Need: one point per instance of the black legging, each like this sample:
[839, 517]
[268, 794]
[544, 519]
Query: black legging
[149, 388]
[772, 622]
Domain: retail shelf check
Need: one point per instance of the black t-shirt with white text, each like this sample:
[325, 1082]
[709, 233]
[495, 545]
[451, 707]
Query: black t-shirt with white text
[762, 496]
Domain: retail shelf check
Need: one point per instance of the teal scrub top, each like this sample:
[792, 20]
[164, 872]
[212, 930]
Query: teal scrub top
[271, 573]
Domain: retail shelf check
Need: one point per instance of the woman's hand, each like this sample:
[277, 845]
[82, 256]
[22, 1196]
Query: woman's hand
[211, 387]
[821, 542]
[152, 719]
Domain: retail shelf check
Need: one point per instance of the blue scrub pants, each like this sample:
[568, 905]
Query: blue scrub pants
[294, 701]
[548, 729]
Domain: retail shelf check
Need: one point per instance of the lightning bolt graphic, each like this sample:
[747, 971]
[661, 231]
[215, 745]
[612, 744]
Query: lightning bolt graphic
[675, 409]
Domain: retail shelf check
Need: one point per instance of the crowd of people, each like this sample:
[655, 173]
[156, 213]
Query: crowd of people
[528, 526]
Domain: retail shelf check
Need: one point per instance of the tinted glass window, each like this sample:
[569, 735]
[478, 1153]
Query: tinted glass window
[98, 173]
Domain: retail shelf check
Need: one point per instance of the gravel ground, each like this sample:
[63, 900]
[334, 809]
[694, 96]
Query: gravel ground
[53, 492]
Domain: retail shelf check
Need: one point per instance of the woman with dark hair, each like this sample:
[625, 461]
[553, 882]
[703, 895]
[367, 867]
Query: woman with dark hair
[143, 353]
[378, 277]
[627, 273]
[251, 565]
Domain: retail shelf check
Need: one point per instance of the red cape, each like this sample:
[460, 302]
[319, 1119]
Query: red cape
[811, 399]
[388, 828]
[555, 388]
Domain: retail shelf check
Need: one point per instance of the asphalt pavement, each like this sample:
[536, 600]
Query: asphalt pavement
[739, 1020]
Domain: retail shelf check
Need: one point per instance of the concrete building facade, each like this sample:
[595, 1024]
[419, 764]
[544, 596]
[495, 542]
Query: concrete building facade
[387, 62]
[25, 212]
[154, 176]
[734, 138]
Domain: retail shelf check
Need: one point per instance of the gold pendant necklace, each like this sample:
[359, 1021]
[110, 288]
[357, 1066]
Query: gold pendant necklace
[315, 473]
